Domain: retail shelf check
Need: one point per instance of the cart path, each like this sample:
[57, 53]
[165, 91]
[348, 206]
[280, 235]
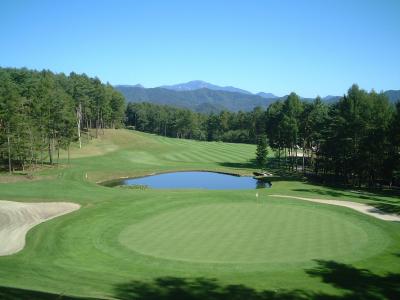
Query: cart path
[360, 207]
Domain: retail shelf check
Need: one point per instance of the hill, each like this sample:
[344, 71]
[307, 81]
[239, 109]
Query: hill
[199, 84]
[200, 100]
[393, 95]
[267, 95]
[205, 97]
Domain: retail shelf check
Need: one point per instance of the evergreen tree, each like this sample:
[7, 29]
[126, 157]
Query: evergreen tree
[262, 151]
[43, 112]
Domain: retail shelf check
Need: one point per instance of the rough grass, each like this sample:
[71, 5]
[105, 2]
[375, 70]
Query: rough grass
[225, 235]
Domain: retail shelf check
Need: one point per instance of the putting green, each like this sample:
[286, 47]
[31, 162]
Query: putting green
[273, 232]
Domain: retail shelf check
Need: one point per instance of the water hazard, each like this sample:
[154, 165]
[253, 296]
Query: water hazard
[194, 180]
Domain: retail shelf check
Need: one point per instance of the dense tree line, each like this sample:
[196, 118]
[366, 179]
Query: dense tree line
[356, 140]
[359, 140]
[43, 112]
[241, 127]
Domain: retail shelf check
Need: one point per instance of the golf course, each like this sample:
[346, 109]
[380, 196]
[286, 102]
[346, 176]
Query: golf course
[128, 243]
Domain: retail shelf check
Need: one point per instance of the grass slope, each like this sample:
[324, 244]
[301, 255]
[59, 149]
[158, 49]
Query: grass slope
[121, 242]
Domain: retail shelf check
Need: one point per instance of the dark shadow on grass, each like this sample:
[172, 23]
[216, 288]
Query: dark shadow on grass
[321, 192]
[358, 283]
[388, 208]
[386, 205]
[352, 282]
[278, 174]
[272, 165]
[251, 164]
[173, 288]
[7, 293]
[382, 205]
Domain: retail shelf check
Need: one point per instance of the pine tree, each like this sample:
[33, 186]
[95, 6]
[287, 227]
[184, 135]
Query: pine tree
[262, 151]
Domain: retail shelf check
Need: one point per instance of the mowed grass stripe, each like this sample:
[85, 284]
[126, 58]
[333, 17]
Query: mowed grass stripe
[236, 150]
[219, 156]
[195, 156]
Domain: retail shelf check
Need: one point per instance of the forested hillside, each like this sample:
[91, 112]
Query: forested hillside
[240, 127]
[355, 140]
[203, 97]
[393, 95]
[201, 100]
[199, 84]
[43, 112]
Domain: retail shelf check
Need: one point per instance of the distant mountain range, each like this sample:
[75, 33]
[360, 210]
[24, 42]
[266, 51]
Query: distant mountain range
[393, 95]
[267, 95]
[201, 100]
[205, 97]
[198, 84]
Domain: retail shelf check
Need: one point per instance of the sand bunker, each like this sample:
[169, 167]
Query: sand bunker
[16, 218]
[360, 207]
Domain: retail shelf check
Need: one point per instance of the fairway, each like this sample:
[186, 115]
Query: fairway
[121, 235]
[249, 233]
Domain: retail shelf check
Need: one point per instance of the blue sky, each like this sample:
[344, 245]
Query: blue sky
[310, 47]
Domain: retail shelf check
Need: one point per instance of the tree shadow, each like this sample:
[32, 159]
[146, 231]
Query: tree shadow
[8, 293]
[367, 192]
[351, 282]
[388, 208]
[359, 283]
[354, 283]
[251, 164]
[321, 192]
[384, 205]
[173, 288]
[335, 192]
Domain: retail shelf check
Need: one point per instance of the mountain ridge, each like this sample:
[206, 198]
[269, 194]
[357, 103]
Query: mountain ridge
[200, 100]
[200, 84]
[199, 97]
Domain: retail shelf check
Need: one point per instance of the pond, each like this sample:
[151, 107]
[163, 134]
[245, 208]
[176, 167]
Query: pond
[193, 180]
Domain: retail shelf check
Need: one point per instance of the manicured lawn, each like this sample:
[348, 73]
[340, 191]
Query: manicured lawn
[120, 235]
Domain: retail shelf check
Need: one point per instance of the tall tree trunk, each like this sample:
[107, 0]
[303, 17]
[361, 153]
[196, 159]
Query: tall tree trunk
[97, 123]
[31, 149]
[78, 123]
[135, 121]
[279, 156]
[50, 152]
[9, 153]
[53, 142]
[286, 165]
[68, 152]
[87, 128]
[97, 128]
[304, 146]
[41, 145]
[102, 124]
[58, 153]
